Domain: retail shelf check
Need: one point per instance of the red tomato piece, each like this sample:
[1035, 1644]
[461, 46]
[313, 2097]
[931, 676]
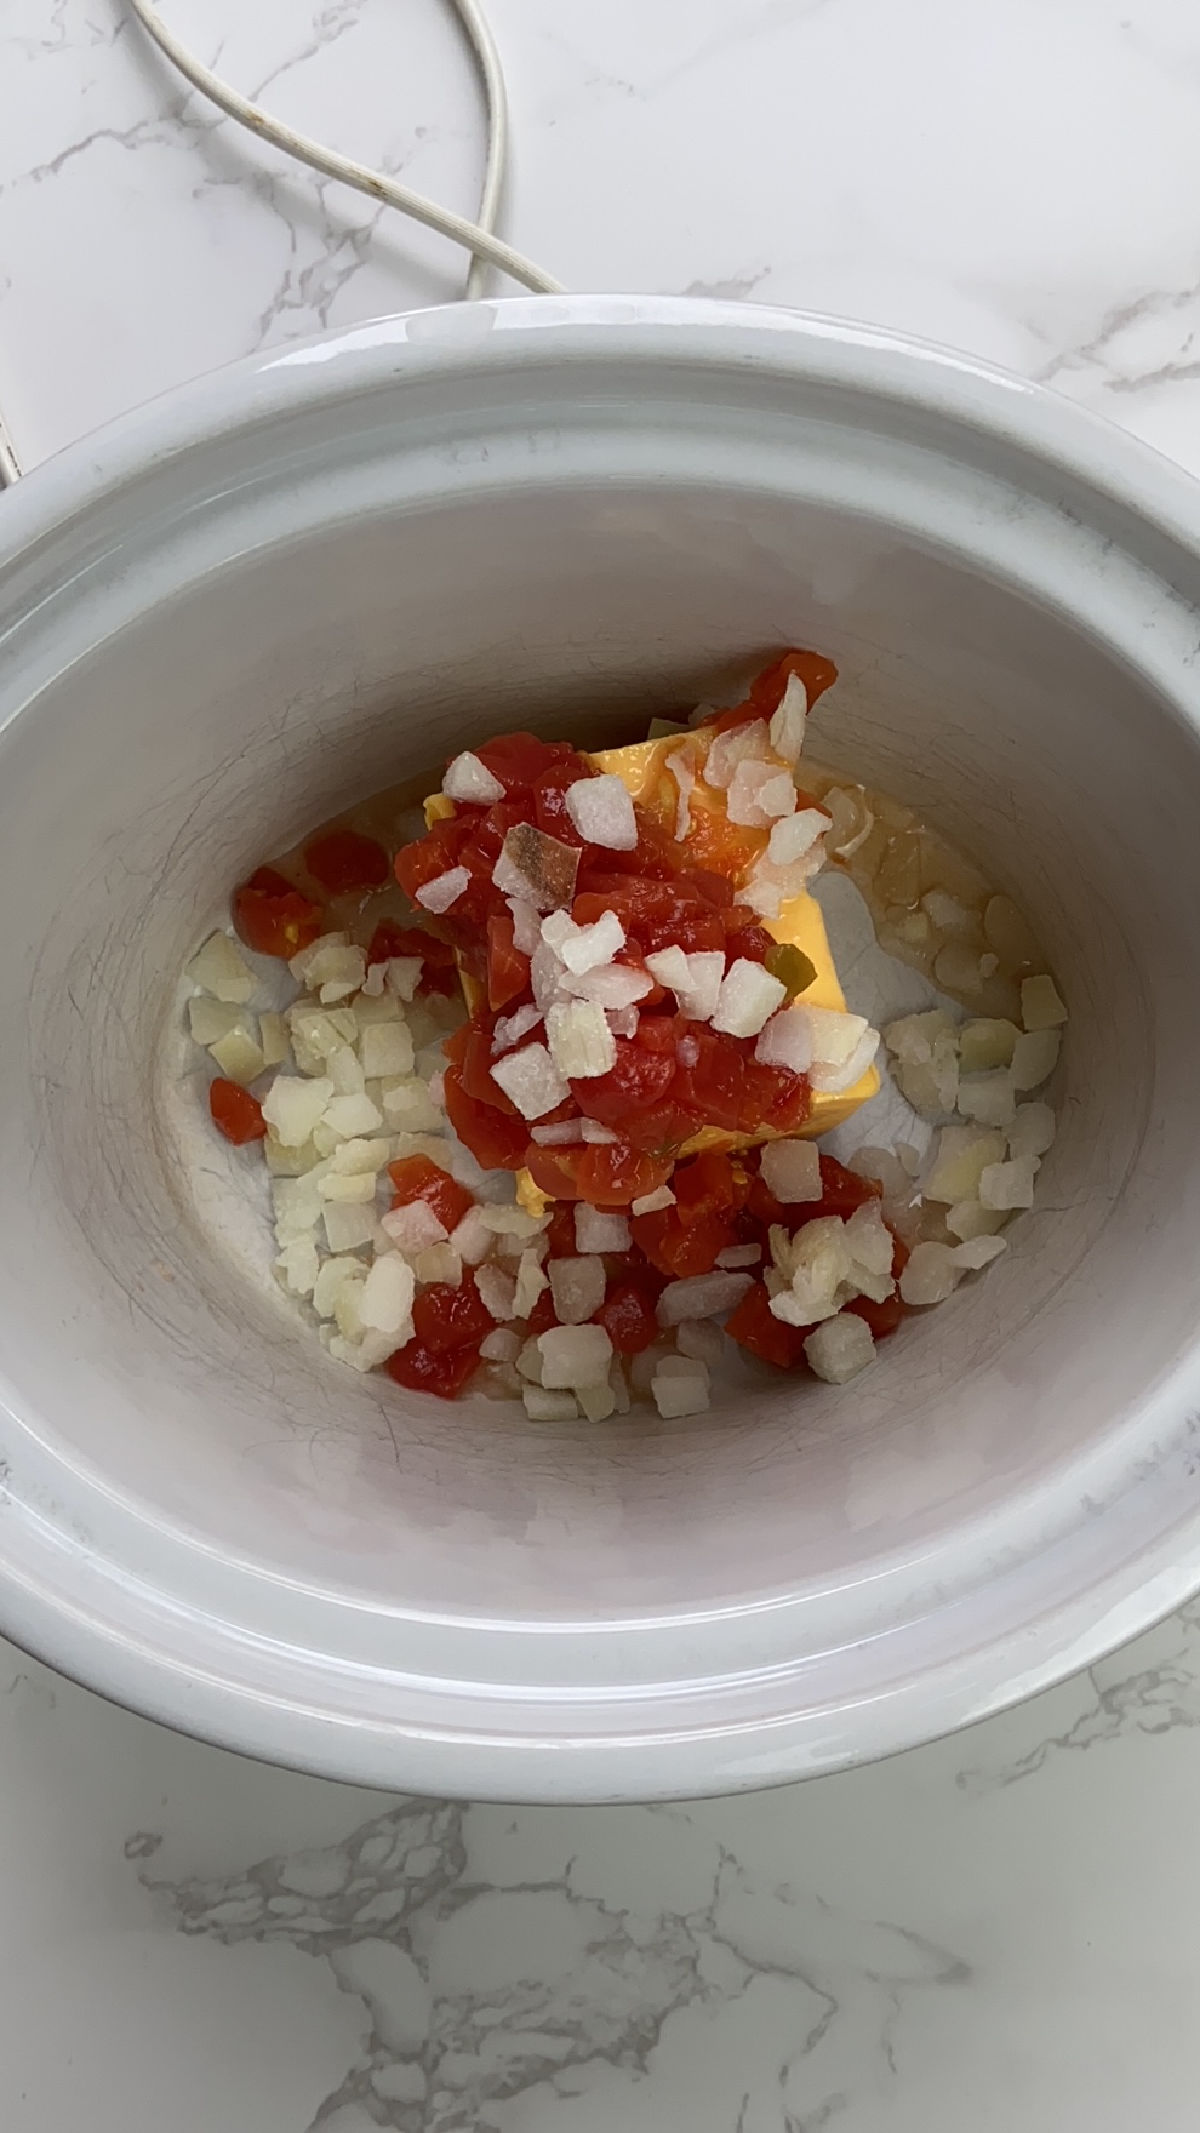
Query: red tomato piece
[711, 1183]
[753, 1326]
[627, 1315]
[766, 1209]
[661, 1131]
[750, 942]
[440, 971]
[638, 1081]
[443, 1371]
[658, 914]
[775, 1097]
[446, 1317]
[415, 1177]
[543, 1314]
[519, 759]
[660, 1033]
[883, 1318]
[470, 1050]
[550, 798]
[273, 917]
[495, 1140]
[345, 861]
[391, 939]
[431, 855]
[714, 1088]
[812, 668]
[722, 846]
[605, 1174]
[766, 691]
[236, 1113]
[507, 968]
[561, 1233]
[843, 1190]
[679, 1244]
[655, 857]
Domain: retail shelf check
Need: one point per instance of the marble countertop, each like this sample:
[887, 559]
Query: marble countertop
[994, 1932]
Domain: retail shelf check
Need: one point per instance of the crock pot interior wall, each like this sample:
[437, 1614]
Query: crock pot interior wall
[139, 1322]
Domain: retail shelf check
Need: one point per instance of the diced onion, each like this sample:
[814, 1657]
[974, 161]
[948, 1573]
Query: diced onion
[602, 811]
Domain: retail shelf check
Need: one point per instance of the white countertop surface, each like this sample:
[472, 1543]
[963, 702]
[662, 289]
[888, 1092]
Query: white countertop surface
[1001, 1931]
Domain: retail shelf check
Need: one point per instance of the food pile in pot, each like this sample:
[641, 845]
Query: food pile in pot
[543, 1116]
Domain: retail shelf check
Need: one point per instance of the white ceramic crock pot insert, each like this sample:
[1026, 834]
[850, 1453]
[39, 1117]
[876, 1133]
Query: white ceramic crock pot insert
[320, 572]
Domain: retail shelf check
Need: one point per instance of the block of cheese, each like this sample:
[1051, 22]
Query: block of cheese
[800, 924]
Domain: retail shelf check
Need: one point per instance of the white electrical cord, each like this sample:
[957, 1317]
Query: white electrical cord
[478, 237]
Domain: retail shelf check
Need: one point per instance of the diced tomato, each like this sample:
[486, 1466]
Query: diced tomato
[775, 1097]
[633, 1096]
[486, 834]
[661, 1131]
[495, 1140]
[273, 917]
[765, 1208]
[446, 1317]
[519, 759]
[812, 668]
[550, 798]
[543, 1315]
[843, 1190]
[605, 1174]
[685, 1239]
[766, 691]
[883, 1318]
[470, 1050]
[752, 943]
[345, 861]
[637, 1081]
[627, 1315]
[236, 1113]
[728, 1088]
[433, 854]
[711, 1183]
[440, 971]
[443, 1371]
[753, 1326]
[679, 1245]
[561, 1234]
[661, 1033]
[391, 939]
[658, 914]
[507, 968]
[714, 1088]
[725, 847]
[415, 1177]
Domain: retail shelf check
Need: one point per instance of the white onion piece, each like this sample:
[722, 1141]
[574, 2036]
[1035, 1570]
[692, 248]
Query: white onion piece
[680, 1386]
[839, 1349]
[789, 720]
[531, 1081]
[574, 1355]
[444, 890]
[748, 995]
[470, 780]
[701, 1296]
[602, 811]
[582, 1045]
[791, 1169]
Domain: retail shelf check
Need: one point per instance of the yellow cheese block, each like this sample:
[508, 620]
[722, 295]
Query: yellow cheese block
[799, 925]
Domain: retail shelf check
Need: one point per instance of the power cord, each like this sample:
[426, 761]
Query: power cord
[478, 237]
